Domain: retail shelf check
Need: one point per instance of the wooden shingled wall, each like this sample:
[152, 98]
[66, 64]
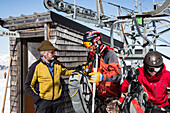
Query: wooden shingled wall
[69, 42]
[14, 78]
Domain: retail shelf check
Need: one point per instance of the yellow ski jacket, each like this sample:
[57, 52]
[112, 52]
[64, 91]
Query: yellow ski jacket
[40, 84]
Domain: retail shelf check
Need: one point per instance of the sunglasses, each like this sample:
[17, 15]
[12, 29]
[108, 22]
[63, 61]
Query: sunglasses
[87, 44]
[52, 52]
[154, 69]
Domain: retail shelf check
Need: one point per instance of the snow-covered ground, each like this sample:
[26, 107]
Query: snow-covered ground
[4, 59]
[2, 92]
[4, 62]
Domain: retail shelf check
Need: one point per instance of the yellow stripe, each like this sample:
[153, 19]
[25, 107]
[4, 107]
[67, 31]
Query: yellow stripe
[73, 94]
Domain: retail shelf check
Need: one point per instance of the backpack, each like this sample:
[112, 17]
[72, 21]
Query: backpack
[80, 91]
[136, 99]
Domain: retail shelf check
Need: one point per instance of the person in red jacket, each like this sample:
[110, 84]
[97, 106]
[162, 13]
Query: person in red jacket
[155, 80]
[4, 74]
[108, 75]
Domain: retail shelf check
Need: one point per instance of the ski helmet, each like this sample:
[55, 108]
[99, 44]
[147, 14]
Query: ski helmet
[91, 37]
[153, 61]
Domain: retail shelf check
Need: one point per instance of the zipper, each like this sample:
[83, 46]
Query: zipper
[53, 82]
[155, 89]
[53, 88]
[51, 77]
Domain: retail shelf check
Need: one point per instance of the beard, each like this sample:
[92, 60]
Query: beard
[50, 58]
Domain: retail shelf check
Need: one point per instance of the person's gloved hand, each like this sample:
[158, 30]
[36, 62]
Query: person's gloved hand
[84, 66]
[78, 68]
[95, 77]
[132, 74]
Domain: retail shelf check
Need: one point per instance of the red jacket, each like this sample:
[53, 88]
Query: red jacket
[155, 86]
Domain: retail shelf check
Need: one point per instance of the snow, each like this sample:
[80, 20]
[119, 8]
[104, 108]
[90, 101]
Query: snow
[2, 92]
[167, 63]
[4, 60]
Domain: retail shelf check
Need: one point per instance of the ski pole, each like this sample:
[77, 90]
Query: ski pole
[94, 84]
[94, 88]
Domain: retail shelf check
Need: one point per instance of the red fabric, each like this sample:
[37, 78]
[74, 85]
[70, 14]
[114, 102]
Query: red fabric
[91, 54]
[124, 86]
[155, 86]
[138, 108]
[121, 99]
[108, 89]
[109, 70]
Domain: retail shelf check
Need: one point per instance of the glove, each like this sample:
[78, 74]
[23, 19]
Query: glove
[95, 77]
[84, 66]
[78, 68]
[132, 74]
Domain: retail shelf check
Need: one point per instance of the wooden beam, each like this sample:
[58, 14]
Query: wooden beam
[101, 7]
[48, 31]
[97, 6]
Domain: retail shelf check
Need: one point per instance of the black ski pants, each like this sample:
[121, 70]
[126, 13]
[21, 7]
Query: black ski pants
[49, 106]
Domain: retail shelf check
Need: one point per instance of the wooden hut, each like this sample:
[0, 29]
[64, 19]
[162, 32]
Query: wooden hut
[64, 33]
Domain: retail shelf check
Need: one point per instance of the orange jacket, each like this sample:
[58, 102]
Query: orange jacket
[111, 71]
[5, 74]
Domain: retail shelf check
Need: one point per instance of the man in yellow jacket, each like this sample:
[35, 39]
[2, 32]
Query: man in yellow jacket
[43, 80]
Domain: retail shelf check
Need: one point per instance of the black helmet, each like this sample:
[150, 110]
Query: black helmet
[153, 59]
[92, 37]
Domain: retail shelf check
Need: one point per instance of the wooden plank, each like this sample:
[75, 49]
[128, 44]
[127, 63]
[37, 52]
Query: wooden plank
[13, 47]
[32, 33]
[12, 38]
[72, 59]
[14, 68]
[14, 72]
[13, 77]
[13, 83]
[13, 97]
[68, 32]
[13, 109]
[68, 37]
[17, 22]
[70, 47]
[61, 41]
[14, 58]
[72, 64]
[13, 52]
[71, 53]
[14, 63]
[14, 93]
[12, 42]
[13, 87]
[18, 82]
[14, 103]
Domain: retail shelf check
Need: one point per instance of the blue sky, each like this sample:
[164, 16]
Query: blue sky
[17, 7]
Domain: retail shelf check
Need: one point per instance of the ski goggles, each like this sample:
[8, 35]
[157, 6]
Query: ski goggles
[87, 44]
[154, 69]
